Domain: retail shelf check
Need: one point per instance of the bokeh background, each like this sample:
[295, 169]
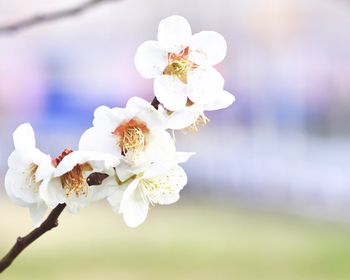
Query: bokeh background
[269, 188]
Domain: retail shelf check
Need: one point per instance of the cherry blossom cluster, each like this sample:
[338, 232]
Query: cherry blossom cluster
[128, 156]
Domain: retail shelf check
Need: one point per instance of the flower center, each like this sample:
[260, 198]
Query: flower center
[32, 170]
[179, 65]
[73, 182]
[131, 138]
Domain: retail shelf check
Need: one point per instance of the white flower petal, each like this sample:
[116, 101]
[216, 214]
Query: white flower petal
[45, 169]
[38, 213]
[171, 92]
[182, 119]
[24, 137]
[139, 104]
[108, 119]
[157, 169]
[10, 182]
[167, 186]
[224, 99]
[207, 48]
[51, 192]
[148, 114]
[174, 33]
[160, 146]
[108, 186]
[150, 59]
[18, 185]
[70, 161]
[115, 197]
[99, 140]
[98, 161]
[74, 205]
[204, 84]
[20, 159]
[133, 206]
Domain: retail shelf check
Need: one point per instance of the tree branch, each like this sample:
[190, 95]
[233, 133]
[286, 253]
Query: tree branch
[22, 242]
[53, 16]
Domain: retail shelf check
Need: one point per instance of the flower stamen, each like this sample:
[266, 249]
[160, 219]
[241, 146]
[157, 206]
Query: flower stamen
[32, 171]
[153, 189]
[131, 138]
[179, 65]
[179, 68]
[73, 182]
[202, 120]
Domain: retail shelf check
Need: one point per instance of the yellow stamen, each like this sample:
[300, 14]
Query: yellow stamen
[154, 188]
[132, 139]
[179, 65]
[73, 182]
[202, 120]
[179, 68]
[32, 170]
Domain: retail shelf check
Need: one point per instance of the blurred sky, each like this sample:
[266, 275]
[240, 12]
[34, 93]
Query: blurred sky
[284, 144]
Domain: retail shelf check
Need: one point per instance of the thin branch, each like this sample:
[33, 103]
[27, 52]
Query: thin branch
[53, 16]
[22, 242]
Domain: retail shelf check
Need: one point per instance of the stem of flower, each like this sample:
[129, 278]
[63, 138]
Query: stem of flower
[22, 242]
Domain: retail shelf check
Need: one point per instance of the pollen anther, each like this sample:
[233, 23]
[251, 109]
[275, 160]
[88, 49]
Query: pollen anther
[202, 120]
[131, 138]
[73, 182]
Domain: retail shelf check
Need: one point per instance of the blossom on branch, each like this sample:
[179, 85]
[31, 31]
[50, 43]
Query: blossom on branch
[71, 181]
[27, 166]
[159, 183]
[135, 134]
[182, 66]
[128, 157]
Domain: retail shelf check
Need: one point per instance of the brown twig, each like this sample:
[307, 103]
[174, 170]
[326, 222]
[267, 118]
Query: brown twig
[22, 242]
[53, 16]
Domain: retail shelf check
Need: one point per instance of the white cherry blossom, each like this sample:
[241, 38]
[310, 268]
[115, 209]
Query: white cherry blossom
[181, 64]
[160, 183]
[135, 134]
[74, 181]
[27, 165]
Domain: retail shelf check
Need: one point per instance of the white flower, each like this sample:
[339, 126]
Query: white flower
[160, 183]
[135, 134]
[27, 164]
[79, 178]
[181, 64]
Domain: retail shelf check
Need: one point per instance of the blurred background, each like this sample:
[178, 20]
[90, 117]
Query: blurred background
[269, 188]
